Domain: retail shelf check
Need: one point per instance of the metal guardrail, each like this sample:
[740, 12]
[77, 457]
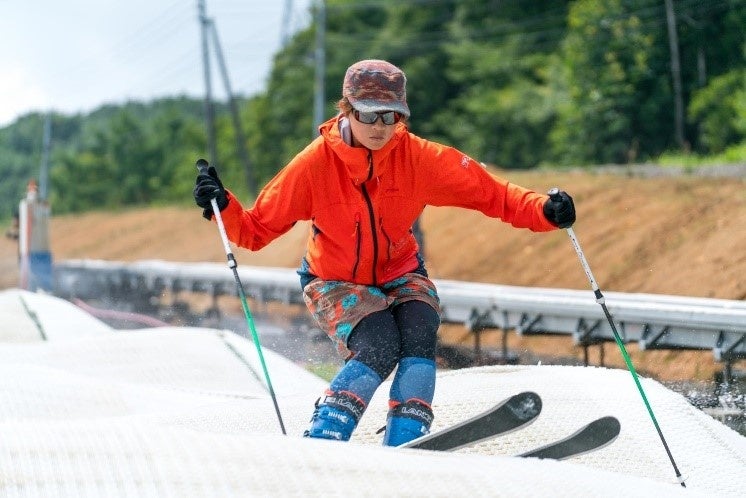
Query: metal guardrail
[653, 321]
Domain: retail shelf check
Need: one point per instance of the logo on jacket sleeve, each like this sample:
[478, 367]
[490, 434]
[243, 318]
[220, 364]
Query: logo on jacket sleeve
[465, 161]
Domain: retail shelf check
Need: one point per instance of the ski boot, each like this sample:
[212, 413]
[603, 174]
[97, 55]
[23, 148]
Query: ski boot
[336, 417]
[407, 421]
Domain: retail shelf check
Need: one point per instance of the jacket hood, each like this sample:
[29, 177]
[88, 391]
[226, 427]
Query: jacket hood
[355, 159]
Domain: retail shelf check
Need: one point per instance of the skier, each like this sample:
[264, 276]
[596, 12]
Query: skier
[362, 183]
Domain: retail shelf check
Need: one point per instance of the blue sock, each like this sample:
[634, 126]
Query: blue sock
[357, 378]
[412, 391]
[415, 378]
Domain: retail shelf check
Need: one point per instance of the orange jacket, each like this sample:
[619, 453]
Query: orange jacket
[362, 203]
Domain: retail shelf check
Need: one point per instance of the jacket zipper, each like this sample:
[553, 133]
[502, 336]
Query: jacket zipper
[357, 244]
[371, 217]
[388, 239]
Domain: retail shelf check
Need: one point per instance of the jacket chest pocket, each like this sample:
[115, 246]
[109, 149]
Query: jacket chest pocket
[337, 221]
[398, 237]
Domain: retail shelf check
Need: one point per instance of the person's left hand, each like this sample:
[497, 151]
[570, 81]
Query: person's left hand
[560, 209]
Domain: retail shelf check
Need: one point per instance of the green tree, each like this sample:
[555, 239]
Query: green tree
[500, 62]
[718, 109]
[181, 141]
[279, 122]
[136, 154]
[615, 102]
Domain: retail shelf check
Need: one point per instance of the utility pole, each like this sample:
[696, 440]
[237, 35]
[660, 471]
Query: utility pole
[46, 147]
[240, 139]
[320, 58]
[285, 34]
[678, 100]
[209, 108]
[208, 30]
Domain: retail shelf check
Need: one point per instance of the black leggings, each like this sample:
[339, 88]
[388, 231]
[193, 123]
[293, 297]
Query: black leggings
[382, 338]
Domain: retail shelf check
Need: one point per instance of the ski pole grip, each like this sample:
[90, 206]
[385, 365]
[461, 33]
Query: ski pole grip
[202, 166]
[553, 194]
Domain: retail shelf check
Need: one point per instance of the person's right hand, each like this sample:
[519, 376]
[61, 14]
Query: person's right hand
[207, 187]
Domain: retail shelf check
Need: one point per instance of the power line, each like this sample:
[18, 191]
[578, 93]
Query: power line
[153, 29]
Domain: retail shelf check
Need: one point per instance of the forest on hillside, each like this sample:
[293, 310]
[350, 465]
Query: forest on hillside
[520, 84]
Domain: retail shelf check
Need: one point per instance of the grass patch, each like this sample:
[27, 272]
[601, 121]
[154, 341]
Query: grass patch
[326, 371]
[734, 154]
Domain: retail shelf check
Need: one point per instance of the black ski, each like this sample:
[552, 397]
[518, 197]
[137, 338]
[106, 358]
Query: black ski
[511, 414]
[594, 436]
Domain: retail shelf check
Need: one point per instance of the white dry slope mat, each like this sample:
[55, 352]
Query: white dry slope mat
[87, 411]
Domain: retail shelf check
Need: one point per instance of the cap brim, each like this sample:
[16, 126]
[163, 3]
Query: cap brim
[380, 106]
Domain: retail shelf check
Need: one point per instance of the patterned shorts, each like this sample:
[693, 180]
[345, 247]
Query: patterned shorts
[338, 306]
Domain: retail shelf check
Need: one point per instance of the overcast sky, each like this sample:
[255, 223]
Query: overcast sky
[75, 55]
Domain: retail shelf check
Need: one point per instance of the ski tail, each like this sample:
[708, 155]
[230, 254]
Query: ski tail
[591, 437]
[511, 414]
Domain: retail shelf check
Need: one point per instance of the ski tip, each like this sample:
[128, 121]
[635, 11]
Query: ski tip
[609, 423]
[525, 405]
[591, 437]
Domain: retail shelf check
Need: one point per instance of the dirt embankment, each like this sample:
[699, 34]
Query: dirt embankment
[681, 236]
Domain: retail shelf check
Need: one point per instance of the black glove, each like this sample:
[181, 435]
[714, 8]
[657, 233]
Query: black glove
[559, 209]
[207, 187]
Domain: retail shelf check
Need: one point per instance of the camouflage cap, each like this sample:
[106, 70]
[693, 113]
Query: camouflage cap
[374, 86]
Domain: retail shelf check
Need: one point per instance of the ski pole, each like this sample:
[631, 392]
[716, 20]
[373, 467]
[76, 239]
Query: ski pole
[600, 299]
[202, 168]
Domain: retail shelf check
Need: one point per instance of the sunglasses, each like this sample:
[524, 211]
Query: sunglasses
[388, 117]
